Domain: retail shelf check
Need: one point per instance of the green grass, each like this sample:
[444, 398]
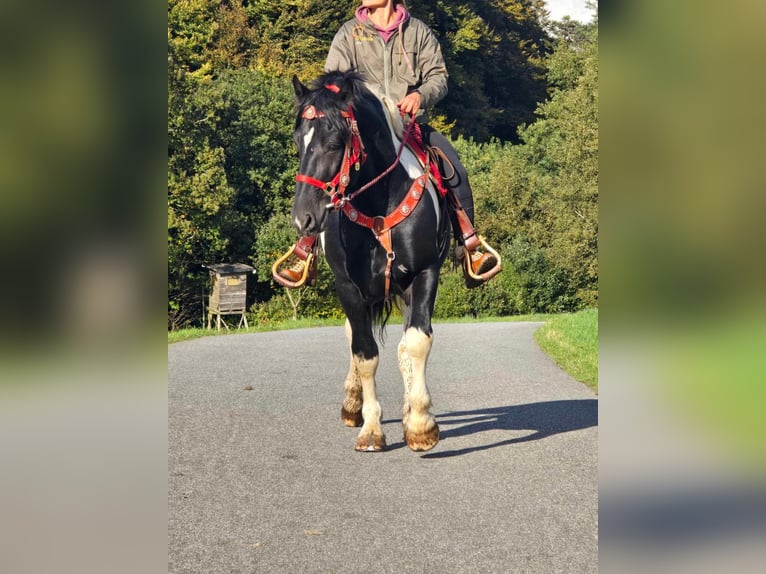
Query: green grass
[571, 340]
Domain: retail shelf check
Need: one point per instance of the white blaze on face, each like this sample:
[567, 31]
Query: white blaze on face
[307, 139]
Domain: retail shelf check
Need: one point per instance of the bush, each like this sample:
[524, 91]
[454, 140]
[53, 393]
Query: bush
[317, 302]
[455, 300]
[534, 284]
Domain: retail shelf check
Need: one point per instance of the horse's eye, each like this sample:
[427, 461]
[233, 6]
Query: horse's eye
[334, 145]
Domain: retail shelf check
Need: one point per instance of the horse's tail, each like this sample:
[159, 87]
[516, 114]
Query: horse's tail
[381, 313]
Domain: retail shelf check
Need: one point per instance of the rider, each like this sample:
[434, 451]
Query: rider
[401, 59]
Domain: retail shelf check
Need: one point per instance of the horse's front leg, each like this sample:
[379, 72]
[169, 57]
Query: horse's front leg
[420, 429]
[360, 384]
[371, 437]
[351, 411]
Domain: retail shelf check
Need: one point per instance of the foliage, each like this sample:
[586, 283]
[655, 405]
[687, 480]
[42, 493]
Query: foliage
[227, 170]
[563, 146]
[494, 50]
[455, 300]
[523, 103]
[294, 35]
[546, 189]
[535, 283]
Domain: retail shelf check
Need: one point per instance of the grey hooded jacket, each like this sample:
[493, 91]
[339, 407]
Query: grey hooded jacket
[410, 61]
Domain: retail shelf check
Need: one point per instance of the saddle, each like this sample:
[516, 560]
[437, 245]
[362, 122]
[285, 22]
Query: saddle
[430, 158]
[414, 142]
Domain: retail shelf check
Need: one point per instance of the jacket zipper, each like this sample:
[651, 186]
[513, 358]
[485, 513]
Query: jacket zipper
[386, 67]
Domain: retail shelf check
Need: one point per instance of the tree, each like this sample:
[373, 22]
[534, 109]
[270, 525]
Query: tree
[563, 144]
[494, 50]
[230, 167]
[547, 187]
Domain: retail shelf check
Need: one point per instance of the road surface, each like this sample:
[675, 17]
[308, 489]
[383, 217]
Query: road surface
[263, 477]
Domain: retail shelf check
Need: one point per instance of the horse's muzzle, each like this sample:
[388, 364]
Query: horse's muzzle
[310, 223]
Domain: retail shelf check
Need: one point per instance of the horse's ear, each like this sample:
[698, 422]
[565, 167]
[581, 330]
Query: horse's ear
[347, 90]
[300, 89]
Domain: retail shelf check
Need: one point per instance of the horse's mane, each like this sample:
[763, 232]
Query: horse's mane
[351, 92]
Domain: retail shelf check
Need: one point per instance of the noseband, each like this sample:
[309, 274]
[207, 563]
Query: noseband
[353, 155]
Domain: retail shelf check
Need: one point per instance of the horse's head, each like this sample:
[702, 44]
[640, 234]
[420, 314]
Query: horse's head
[329, 146]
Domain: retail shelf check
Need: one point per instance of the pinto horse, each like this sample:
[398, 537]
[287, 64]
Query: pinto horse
[385, 232]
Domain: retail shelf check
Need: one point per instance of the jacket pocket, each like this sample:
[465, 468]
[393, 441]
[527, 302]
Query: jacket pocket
[407, 71]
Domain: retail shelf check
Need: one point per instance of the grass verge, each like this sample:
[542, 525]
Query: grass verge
[571, 340]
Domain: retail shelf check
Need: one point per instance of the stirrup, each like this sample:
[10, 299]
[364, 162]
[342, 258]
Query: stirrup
[283, 280]
[487, 275]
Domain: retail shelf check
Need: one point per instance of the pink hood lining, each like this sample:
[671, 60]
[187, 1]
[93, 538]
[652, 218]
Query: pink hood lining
[363, 14]
[402, 15]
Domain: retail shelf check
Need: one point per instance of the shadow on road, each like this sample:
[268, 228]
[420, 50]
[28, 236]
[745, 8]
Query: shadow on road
[543, 419]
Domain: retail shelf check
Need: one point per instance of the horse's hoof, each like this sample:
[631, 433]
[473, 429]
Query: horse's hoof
[351, 419]
[423, 441]
[371, 444]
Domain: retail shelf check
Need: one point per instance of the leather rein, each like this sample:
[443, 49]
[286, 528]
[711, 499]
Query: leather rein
[355, 155]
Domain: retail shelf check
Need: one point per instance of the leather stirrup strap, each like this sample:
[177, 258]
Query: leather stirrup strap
[305, 246]
[437, 154]
[466, 229]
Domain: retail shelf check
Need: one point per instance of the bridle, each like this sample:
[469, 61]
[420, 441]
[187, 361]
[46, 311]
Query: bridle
[354, 154]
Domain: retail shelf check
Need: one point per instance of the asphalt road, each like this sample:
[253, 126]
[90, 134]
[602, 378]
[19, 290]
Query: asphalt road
[267, 480]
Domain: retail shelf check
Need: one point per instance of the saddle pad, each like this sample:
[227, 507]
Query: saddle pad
[414, 143]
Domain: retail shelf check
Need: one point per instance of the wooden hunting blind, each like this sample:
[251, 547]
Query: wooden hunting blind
[229, 292]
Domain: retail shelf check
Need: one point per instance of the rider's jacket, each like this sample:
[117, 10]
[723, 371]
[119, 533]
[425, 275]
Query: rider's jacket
[410, 60]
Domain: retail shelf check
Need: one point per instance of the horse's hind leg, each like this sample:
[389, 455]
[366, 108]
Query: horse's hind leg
[351, 411]
[420, 429]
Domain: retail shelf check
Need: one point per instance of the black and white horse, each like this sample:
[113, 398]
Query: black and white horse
[385, 232]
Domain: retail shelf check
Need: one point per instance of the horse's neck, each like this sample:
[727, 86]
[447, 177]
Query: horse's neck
[381, 154]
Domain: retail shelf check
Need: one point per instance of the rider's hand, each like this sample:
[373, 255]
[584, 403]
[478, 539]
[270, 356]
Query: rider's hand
[410, 104]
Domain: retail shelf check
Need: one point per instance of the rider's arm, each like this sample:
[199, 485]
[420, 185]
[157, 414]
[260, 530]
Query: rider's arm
[433, 71]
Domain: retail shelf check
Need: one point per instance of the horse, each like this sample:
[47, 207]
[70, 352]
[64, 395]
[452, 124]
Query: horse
[385, 232]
